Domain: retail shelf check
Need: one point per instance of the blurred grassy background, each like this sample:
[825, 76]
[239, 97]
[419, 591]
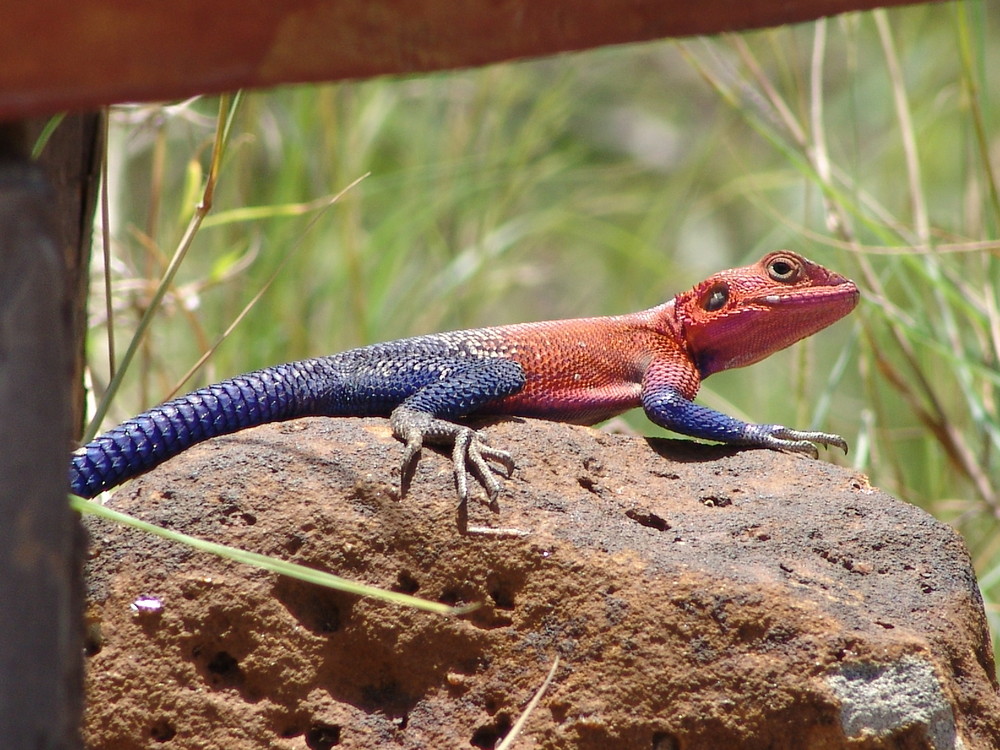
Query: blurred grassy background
[602, 183]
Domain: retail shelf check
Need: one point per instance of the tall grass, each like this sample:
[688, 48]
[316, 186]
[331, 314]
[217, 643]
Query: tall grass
[602, 183]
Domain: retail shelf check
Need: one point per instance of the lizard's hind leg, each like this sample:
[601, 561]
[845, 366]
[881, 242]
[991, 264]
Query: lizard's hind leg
[425, 417]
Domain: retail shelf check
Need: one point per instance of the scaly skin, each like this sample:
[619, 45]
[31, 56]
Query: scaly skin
[581, 371]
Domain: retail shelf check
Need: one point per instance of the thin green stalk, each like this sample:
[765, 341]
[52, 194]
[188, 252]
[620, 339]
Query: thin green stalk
[971, 82]
[227, 107]
[260, 292]
[898, 86]
[518, 727]
[106, 247]
[43, 138]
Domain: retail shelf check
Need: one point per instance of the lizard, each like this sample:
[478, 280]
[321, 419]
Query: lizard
[580, 371]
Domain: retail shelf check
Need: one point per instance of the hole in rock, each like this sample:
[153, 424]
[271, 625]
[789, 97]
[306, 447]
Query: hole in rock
[486, 737]
[318, 609]
[322, 736]
[649, 520]
[162, 731]
[406, 584]
[225, 669]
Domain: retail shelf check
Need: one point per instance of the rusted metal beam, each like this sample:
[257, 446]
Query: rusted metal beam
[65, 56]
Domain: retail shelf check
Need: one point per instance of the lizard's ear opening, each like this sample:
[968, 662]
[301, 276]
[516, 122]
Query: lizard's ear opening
[715, 297]
[784, 269]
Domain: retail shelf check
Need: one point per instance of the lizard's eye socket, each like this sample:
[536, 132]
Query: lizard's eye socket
[783, 269]
[715, 297]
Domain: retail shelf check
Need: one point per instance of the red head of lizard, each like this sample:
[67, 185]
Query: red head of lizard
[740, 316]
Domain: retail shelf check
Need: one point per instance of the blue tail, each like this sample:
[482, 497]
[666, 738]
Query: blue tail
[273, 394]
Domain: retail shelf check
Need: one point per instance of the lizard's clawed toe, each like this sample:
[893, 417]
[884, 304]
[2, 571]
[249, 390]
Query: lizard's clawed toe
[472, 452]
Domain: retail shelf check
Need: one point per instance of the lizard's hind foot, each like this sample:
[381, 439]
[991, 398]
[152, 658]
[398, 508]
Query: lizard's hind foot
[469, 450]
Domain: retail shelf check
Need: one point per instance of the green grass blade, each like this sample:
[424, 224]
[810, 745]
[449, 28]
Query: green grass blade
[272, 564]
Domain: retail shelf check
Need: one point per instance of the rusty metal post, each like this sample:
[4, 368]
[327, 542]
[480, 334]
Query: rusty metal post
[40, 618]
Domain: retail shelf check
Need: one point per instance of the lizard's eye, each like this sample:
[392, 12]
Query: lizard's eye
[715, 297]
[783, 269]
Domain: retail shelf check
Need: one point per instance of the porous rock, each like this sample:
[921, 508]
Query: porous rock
[698, 597]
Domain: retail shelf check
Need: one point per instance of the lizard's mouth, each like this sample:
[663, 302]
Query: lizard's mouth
[847, 292]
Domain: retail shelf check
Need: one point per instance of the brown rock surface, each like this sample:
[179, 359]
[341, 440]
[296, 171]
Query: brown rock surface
[698, 597]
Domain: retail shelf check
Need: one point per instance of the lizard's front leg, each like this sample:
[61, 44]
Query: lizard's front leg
[425, 417]
[668, 408]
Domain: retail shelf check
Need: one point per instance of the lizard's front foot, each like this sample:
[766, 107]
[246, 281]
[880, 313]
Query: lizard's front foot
[783, 438]
[469, 449]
